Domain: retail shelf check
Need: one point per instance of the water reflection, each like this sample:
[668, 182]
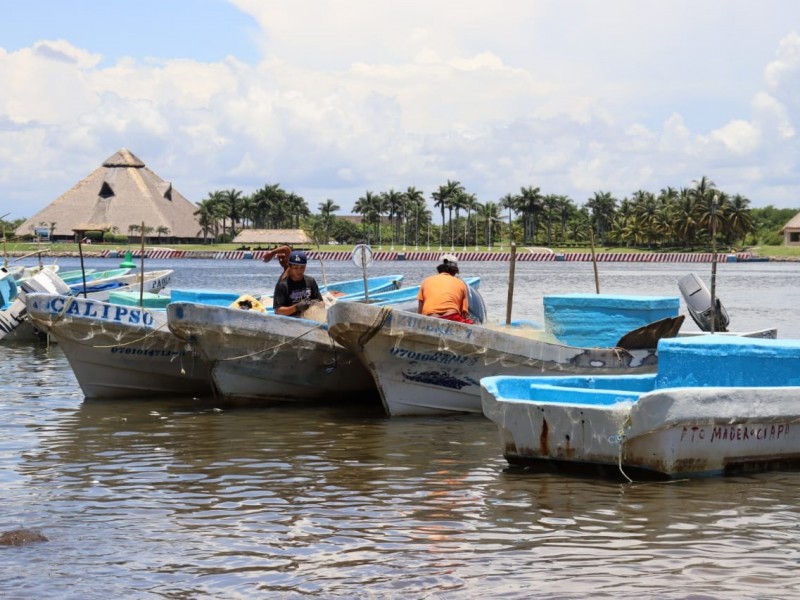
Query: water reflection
[329, 500]
[178, 499]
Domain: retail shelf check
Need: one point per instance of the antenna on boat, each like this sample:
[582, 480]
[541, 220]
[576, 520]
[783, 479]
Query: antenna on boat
[714, 204]
[5, 252]
[362, 257]
[141, 271]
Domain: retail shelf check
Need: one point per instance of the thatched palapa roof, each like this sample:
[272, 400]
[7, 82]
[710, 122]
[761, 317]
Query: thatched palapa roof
[793, 224]
[272, 236]
[120, 193]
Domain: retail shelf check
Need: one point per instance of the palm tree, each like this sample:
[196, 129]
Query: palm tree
[550, 205]
[706, 199]
[490, 211]
[530, 204]
[470, 202]
[205, 217]
[509, 202]
[444, 199]
[233, 200]
[368, 206]
[162, 230]
[565, 208]
[740, 221]
[268, 206]
[326, 210]
[415, 205]
[296, 208]
[393, 201]
[603, 206]
[440, 201]
[683, 214]
[646, 211]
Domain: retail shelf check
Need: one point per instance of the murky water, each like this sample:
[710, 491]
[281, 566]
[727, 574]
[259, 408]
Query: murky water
[177, 499]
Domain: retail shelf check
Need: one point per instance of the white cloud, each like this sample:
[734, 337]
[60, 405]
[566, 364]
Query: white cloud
[572, 97]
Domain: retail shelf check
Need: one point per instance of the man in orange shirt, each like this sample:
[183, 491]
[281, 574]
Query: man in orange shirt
[444, 295]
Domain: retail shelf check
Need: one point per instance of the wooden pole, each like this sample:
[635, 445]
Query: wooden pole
[364, 273]
[594, 263]
[511, 269]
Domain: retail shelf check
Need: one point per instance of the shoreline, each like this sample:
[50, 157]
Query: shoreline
[522, 255]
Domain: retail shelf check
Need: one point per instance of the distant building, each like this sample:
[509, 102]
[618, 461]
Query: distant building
[791, 232]
[277, 237]
[120, 193]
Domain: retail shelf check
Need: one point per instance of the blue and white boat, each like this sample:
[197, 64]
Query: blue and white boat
[429, 366]
[100, 287]
[717, 404]
[355, 287]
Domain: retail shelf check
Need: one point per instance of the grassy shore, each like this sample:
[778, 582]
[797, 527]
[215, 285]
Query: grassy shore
[22, 249]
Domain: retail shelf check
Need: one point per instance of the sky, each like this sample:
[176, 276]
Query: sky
[334, 98]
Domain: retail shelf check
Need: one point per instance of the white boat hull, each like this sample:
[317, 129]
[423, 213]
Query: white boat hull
[429, 366]
[120, 351]
[263, 357]
[680, 432]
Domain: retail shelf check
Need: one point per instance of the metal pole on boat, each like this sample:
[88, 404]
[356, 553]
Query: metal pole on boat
[5, 252]
[83, 271]
[511, 268]
[141, 272]
[714, 204]
[594, 261]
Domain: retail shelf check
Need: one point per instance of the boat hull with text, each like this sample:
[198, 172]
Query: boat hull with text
[119, 351]
[718, 404]
[430, 366]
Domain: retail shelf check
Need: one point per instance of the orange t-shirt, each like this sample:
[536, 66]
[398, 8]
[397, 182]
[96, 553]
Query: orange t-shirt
[442, 293]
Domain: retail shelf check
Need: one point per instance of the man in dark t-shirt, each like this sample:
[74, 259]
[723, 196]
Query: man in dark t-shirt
[294, 294]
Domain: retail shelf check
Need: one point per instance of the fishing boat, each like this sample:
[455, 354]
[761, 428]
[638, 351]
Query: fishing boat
[260, 357]
[119, 350]
[147, 281]
[429, 366]
[355, 287]
[121, 347]
[77, 276]
[717, 404]
[14, 323]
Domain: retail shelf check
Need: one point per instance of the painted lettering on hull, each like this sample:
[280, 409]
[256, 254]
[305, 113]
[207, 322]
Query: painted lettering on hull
[444, 358]
[128, 351]
[734, 433]
[440, 379]
[128, 315]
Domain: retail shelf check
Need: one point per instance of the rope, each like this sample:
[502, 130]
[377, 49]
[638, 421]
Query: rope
[619, 439]
[276, 346]
[373, 329]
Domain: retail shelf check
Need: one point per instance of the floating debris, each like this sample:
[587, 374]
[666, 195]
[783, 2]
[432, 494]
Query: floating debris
[21, 536]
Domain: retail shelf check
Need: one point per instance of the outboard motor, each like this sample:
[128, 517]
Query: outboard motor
[477, 307]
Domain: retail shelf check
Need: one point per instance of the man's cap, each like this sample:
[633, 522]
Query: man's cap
[297, 258]
[450, 259]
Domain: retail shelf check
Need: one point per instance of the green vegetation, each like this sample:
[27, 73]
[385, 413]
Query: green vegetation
[697, 218]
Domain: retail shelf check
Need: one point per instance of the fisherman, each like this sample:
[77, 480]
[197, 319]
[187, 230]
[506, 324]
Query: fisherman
[295, 293]
[282, 252]
[444, 295]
